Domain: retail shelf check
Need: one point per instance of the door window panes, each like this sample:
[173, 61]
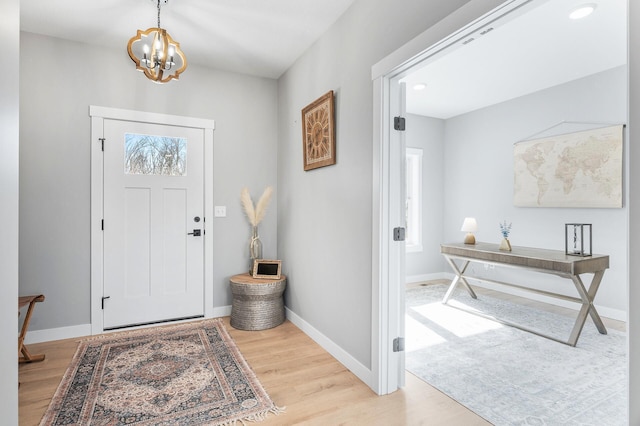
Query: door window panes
[155, 155]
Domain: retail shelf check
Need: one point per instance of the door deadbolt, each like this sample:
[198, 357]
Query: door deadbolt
[196, 219]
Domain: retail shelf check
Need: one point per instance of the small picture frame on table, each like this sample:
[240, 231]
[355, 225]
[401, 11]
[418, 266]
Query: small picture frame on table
[267, 269]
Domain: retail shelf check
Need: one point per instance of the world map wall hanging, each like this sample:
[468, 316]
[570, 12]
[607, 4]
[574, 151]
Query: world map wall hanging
[573, 170]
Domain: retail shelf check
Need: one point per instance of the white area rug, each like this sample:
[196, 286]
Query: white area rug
[509, 376]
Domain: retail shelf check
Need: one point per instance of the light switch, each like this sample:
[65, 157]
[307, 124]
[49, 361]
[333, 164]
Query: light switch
[220, 211]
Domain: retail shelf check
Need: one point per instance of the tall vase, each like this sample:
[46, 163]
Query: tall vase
[255, 248]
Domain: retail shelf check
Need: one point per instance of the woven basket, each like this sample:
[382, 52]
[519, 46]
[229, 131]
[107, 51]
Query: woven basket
[257, 304]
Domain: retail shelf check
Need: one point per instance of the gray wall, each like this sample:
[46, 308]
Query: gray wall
[55, 156]
[325, 215]
[479, 147]
[355, 51]
[9, 100]
[336, 297]
[428, 134]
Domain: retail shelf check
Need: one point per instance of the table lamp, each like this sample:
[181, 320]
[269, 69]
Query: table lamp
[469, 226]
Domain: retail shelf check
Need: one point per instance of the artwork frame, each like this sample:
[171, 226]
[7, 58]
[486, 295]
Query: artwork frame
[270, 269]
[318, 133]
[582, 169]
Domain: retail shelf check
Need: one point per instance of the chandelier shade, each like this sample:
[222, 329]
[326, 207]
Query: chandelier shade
[156, 54]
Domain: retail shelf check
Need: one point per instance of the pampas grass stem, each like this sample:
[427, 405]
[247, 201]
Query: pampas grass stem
[255, 214]
[245, 198]
[263, 203]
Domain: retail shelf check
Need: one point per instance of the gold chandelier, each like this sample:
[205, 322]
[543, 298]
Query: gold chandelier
[157, 54]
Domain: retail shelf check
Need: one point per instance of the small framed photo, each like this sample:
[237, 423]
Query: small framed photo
[269, 269]
[318, 133]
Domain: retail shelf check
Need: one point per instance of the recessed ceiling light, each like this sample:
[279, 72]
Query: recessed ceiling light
[582, 11]
[419, 86]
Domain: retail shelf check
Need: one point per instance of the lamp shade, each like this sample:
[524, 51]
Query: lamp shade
[469, 225]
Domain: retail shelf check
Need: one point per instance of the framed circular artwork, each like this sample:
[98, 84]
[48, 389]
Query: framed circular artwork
[318, 133]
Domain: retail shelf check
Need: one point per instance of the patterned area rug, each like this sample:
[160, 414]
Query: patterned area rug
[185, 374]
[509, 376]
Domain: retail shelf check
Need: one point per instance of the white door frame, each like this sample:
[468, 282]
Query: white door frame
[98, 114]
[388, 285]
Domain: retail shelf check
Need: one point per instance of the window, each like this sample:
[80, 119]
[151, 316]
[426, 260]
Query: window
[155, 155]
[414, 200]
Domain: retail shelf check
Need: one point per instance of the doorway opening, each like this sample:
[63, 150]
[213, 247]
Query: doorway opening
[488, 156]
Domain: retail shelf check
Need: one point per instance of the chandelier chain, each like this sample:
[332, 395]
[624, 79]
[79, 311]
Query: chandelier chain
[159, 14]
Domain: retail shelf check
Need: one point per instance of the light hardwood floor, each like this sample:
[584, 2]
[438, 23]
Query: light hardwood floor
[296, 373]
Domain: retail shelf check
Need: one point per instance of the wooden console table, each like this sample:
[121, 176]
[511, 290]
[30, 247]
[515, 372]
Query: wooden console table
[554, 262]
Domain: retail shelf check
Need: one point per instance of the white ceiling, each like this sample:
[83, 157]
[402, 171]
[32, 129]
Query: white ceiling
[541, 48]
[255, 37]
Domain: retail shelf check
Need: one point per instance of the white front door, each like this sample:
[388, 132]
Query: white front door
[153, 223]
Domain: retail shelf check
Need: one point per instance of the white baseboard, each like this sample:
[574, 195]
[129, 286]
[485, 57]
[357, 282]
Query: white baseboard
[221, 311]
[60, 333]
[410, 279]
[363, 373]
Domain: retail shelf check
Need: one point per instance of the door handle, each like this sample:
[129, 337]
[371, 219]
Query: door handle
[195, 233]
